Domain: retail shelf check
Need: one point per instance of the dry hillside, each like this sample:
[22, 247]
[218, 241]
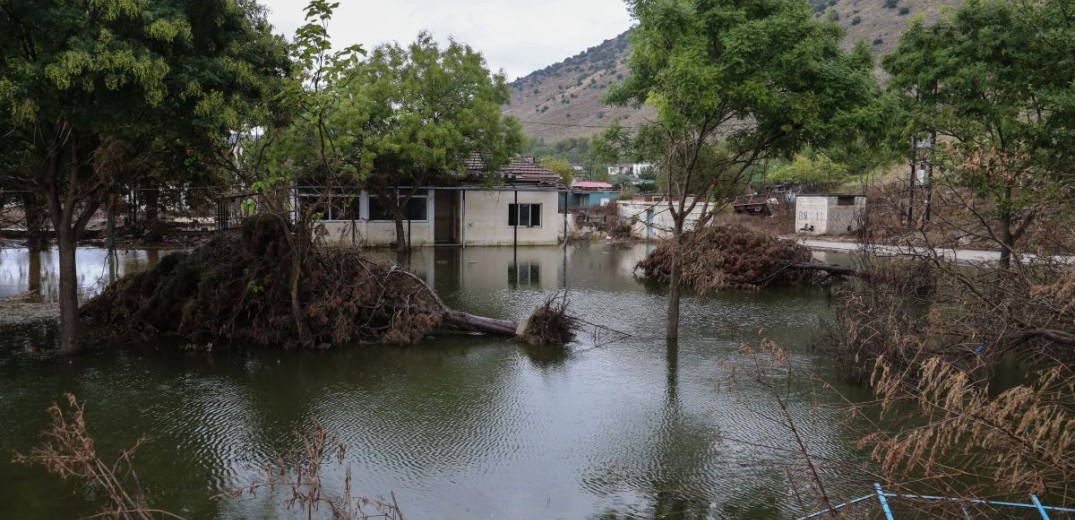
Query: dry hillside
[566, 99]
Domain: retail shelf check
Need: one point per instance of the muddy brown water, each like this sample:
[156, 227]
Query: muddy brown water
[621, 424]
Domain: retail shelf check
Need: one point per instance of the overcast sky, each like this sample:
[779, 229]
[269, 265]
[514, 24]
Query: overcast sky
[518, 36]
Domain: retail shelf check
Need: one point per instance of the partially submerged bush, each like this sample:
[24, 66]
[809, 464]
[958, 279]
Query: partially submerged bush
[719, 257]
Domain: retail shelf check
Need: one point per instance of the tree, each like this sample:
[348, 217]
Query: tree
[425, 111]
[561, 167]
[993, 81]
[88, 97]
[734, 83]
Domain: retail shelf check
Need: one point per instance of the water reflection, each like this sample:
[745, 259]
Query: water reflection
[22, 272]
[622, 429]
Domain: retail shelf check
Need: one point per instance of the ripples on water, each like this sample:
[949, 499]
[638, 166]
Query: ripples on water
[463, 426]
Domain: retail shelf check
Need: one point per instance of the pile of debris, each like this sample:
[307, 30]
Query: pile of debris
[272, 287]
[720, 257]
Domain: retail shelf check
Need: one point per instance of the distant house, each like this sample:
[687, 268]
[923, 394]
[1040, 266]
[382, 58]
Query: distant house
[466, 209]
[591, 193]
[651, 219]
[829, 214]
[634, 170]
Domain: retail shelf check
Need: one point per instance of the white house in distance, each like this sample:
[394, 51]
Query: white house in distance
[464, 211]
[829, 214]
[651, 219]
[632, 169]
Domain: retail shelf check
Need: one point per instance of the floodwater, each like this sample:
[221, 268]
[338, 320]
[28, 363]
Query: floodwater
[621, 424]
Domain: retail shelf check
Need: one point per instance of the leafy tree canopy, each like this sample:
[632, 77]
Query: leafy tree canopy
[426, 109]
[994, 81]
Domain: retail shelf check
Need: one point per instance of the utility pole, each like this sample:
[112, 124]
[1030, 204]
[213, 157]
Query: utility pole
[911, 184]
[929, 175]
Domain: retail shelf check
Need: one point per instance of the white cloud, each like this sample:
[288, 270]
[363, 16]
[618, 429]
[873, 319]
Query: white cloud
[518, 36]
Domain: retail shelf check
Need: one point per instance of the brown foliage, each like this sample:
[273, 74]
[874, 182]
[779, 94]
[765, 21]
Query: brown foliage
[551, 324]
[69, 451]
[238, 289]
[299, 475]
[1019, 441]
[718, 257]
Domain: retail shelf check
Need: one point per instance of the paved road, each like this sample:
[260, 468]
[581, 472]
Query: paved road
[968, 256]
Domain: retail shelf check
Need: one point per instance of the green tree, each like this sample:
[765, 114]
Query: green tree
[561, 167]
[813, 171]
[994, 81]
[734, 83]
[86, 98]
[425, 111]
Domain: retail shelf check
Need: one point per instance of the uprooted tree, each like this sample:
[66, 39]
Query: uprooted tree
[718, 257]
[239, 289]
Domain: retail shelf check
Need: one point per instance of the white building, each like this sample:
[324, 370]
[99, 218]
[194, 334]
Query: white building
[651, 219]
[829, 214]
[633, 169]
[520, 210]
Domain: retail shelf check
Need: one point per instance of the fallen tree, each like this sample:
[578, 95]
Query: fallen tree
[240, 289]
[735, 257]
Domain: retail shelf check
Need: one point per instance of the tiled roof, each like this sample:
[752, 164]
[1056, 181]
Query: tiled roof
[519, 169]
[591, 185]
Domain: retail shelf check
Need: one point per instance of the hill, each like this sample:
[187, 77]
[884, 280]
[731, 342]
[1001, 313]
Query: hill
[566, 99]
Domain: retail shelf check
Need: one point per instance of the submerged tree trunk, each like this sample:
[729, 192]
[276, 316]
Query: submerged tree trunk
[70, 208]
[674, 278]
[67, 242]
[151, 197]
[34, 213]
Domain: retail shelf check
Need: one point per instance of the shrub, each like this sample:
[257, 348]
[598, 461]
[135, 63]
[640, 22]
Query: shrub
[904, 10]
[878, 41]
[856, 20]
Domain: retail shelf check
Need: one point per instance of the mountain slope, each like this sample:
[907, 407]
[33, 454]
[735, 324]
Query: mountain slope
[567, 99]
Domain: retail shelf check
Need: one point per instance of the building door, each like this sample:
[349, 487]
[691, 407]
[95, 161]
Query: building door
[446, 217]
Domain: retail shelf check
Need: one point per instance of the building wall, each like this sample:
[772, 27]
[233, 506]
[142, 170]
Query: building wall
[486, 220]
[365, 232]
[653, 220]
[823, 214]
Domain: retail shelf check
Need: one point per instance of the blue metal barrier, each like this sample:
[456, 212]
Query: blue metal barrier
[883, 497]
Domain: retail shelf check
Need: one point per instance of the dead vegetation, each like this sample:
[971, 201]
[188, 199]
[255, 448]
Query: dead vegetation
[299, 476]
[252, 290]
[69, 451]
[928, 335]
[719, 257]
[551, 324]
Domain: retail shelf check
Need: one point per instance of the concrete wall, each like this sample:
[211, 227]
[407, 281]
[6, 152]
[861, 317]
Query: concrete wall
[485, 222]
[652, 219]
[365, 232]
[824, 215]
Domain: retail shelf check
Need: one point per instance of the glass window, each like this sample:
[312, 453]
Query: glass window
[416, 209]
[524, 215]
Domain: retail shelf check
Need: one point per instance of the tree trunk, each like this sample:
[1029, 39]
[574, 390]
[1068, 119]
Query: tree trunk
[34, 277]
[35, 223]
[1007, 239]
[401, 235]
[153, 229]
[674, 281]
[69, 325]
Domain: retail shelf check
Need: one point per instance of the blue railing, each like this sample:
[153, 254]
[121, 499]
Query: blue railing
[882, 497]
